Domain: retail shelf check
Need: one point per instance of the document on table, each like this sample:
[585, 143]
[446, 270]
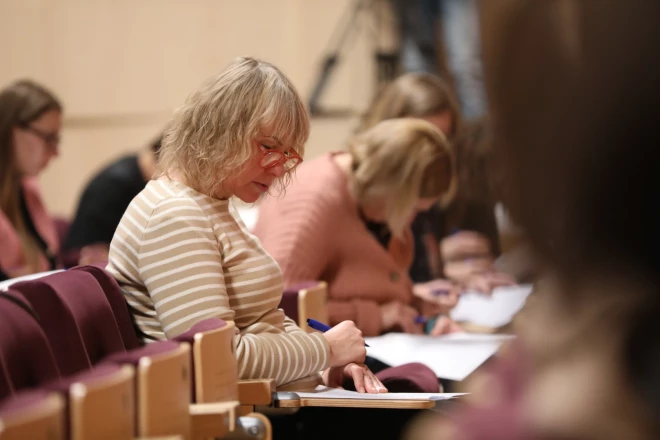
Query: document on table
[323, 392]
[4, 285]
[454, 356]
[494, 310]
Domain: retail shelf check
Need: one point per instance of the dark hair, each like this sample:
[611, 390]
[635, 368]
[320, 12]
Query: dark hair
[20, 104]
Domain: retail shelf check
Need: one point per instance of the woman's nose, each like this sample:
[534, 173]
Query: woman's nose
[277, 170]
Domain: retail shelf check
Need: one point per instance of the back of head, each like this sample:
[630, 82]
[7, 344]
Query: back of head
[401, 161]
[211, 137]
[412, 95]
[575, 99]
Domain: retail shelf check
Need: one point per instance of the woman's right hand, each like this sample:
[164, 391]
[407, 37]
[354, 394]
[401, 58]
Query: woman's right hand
[346, 344]
[397, 314]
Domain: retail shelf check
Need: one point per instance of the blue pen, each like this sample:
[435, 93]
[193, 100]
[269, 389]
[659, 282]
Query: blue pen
[421, 320]
[316, 325]
[439, 292]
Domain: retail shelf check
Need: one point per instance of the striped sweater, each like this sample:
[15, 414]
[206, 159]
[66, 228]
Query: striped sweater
[181, 256]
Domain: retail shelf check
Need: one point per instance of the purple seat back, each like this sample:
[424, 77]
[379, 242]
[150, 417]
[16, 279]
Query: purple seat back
[117, 302]
[289, 302]
[409, 378]
[26, 358]
[75, 315]
[21, 401]
[133, 357]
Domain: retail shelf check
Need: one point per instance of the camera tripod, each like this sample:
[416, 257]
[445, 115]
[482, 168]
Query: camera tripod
[387, 61]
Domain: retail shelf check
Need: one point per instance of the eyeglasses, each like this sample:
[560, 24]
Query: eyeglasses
[289, 159]
[52, 139]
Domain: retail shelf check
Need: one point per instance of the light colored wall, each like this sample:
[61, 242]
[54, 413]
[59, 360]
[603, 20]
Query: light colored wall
[122, 66]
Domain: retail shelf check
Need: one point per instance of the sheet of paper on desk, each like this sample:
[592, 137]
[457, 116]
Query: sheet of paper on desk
[324, 392]
[452, 357]
[493, 310]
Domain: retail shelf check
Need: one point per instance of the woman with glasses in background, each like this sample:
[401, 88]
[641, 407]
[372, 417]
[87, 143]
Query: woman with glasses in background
[30, 123]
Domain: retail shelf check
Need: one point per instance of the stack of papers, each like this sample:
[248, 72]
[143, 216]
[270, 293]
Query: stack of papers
[494, 310]
[323, 392]
[454, 356]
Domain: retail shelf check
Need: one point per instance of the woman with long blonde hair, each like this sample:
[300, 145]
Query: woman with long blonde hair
[346, 220]
[30, 123]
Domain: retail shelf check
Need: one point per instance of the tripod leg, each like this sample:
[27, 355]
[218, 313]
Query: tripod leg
[332, 58]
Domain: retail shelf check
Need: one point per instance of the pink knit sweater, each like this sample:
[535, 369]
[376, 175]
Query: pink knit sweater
[11, 254]
[314, 232]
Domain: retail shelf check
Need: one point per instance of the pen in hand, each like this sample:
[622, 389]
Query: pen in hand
[316, 325]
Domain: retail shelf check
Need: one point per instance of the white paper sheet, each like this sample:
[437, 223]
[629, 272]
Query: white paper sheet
[452, 357]
[493, 310]
[5, 284]
[324, 392]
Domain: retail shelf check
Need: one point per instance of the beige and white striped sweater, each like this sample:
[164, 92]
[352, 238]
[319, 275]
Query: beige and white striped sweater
[181, 257]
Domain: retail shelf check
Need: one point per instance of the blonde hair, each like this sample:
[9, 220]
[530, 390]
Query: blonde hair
[412, 95]
[401, 161]
[211, 137]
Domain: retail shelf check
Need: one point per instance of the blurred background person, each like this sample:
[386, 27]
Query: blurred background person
[468, 254]
[104, 201]
[345, 219]
[30, 123]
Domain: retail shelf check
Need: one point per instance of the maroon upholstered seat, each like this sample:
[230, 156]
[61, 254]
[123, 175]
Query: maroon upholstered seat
[289, 302]
[133, 357]
[76, 317]
[117, 302]
[26, 358]
[409, 378]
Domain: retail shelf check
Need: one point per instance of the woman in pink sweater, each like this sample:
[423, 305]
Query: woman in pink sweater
[346, 217]
[30, 122]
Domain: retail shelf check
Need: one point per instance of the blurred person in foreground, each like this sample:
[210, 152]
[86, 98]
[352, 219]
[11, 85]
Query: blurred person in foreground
[575, 101]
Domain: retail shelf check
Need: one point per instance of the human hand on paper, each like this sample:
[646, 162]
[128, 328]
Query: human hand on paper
[441, 293]
[346, 344]
[444, 325]
[397, 314]
[365, 381]
[487, 281]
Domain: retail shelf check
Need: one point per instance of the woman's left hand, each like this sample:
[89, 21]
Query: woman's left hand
[365, 381]
[441, 293]
[444, 325]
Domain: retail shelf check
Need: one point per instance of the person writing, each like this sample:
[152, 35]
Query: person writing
[181, 254]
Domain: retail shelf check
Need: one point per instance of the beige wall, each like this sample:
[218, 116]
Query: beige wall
[122, 66]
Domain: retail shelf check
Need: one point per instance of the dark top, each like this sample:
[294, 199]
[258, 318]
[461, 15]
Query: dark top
[104, 202]
[38, 239]
[430, 227]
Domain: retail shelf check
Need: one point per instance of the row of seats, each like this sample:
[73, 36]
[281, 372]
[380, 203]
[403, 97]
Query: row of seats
[72, 366]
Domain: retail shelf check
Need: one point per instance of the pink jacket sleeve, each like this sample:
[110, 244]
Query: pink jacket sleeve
[301, 236]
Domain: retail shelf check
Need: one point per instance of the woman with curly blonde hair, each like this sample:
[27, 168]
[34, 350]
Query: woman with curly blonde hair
[181, 254]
